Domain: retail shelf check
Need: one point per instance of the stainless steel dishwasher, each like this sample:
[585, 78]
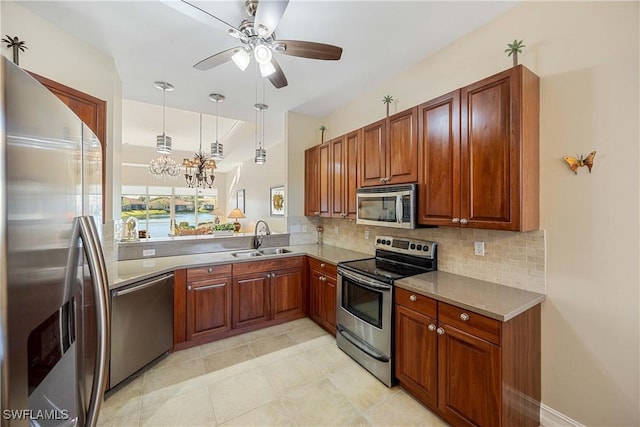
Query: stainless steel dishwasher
[141, 325]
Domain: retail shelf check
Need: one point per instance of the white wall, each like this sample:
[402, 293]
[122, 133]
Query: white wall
[586, 54]
[58, 56]
[257, 181]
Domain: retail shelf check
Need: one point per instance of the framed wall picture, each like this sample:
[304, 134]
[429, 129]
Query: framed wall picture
[277, 200]
[240, 199]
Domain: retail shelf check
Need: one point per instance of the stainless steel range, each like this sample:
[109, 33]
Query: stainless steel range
[365, 300]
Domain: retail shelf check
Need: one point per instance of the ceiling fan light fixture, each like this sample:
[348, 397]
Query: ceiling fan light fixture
[262, 53]
[241, 58]
[267, 69]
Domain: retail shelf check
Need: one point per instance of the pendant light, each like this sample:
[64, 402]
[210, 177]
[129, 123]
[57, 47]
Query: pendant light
[163, 142]
[261, 152]
[199, 172]
[216, 147]
[163, 166]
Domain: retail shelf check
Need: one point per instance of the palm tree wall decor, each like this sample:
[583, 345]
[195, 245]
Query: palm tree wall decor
[17, 45]
[514, 49]
[387, 100]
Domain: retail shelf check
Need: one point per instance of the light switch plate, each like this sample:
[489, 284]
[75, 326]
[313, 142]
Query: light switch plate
[478, 248]
[366, 234]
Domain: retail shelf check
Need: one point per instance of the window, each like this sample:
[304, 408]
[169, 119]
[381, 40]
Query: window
[158, 208]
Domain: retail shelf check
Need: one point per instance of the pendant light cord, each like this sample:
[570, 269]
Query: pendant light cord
[200, 134]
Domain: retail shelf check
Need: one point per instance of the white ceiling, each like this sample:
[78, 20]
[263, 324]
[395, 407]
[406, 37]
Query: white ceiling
[161, 41]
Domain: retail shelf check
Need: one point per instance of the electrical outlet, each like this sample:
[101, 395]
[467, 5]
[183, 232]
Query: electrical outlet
[304, 228]
[366, 234]
[478, 248]
[336, 230]
[148, 252]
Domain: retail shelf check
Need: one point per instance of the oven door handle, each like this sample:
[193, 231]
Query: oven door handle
[361, 345]
[365, 282]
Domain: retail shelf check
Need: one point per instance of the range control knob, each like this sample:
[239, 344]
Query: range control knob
[419, 247]
[413, 246]
[388, 242]
[425, 248]
[378, 241]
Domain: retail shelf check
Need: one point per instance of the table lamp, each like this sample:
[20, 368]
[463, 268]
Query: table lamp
[217, 212]
[236, 214]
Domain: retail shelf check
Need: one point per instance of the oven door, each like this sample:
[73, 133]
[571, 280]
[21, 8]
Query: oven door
[364, 309]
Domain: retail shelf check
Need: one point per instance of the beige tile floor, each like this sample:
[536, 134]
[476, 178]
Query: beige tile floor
[287, 375]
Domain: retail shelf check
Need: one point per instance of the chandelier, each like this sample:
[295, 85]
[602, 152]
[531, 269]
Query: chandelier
[199, 172]
[163, 166]
[216, 147]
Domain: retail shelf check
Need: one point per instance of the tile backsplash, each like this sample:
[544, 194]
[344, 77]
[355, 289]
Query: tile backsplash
[511, 258]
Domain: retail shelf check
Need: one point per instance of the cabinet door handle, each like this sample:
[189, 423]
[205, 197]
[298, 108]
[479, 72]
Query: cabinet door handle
[464, 317]
[209, 270]
[323, 279]
[456, 220]
[440, 331]
[323, 265]
[464, 221]
[413, 298]
[432, 327]
[317, 213]
[189, 287]
[382, 180]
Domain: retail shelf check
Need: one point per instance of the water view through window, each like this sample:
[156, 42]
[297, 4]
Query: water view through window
[168, 211]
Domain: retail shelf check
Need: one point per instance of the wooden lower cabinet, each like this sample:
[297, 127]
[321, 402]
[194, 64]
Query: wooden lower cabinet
[218, 301]
[323, 294]
[266, 292]
[470, 369]
[416, 354]
[251, 300]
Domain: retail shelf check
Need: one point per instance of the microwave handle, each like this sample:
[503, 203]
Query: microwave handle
[399, 208]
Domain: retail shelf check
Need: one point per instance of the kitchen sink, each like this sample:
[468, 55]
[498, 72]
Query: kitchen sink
[274, 251]
[245, 254]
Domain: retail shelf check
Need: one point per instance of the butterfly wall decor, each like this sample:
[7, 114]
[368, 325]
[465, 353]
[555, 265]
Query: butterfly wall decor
[574, 163]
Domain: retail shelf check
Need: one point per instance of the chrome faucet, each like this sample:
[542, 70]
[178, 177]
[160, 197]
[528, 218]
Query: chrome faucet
[257, 239]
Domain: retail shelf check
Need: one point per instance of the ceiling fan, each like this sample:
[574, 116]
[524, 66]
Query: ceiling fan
[258, 38]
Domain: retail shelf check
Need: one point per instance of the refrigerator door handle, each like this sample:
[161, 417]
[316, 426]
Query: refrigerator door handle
[97, 268]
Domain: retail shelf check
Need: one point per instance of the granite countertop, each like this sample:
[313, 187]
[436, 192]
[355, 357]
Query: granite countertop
[493, 300]
[123, 273]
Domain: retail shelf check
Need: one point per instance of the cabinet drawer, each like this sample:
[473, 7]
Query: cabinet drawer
[476, 324]
[271, 265]
[210, 272]
[324, 267]
[423, 305]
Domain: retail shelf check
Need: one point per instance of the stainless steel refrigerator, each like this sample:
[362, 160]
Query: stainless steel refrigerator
[54, 333]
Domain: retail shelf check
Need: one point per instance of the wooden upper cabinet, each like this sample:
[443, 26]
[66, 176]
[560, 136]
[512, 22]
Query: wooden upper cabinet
[311, 186]
[402, 147]
[372, 156]
[344, 182]
[389, 153]
[337, 176]
[478, 154]
[500, 166]
[439, 160]
[91, 110]
[324, 179]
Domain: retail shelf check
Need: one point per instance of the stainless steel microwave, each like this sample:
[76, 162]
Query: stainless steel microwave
[387, 206]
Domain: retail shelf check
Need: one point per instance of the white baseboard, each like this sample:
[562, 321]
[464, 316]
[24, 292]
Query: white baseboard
[549, 417]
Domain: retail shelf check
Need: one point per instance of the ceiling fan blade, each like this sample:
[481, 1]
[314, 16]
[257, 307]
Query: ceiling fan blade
[217, 59]
[189, 9]
[268, 16]
[310, 50]
[278, 79]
